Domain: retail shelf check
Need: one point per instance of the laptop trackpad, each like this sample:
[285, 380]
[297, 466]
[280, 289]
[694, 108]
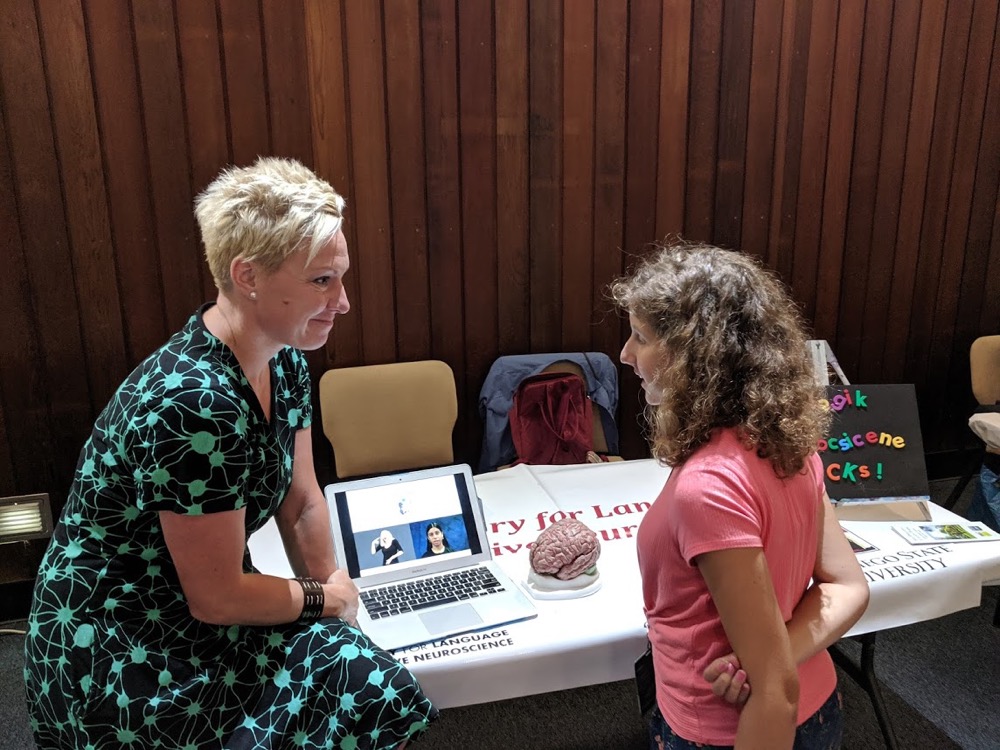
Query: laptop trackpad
[451, 619]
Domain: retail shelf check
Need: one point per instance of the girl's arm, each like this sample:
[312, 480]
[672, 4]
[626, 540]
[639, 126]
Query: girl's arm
[832, 605]
[739, 582]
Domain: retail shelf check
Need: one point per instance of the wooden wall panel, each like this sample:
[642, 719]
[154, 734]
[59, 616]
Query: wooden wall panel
[85, 197]
[444, 199]
[126, 175]
[202, 56]
[869, 138]
[287, 78]
[762, 113]
[372, 260]
[406, 167]
[328, 99]
[513, 289]
[578, 90]
[545, 59]
[61, 394]
[703, 119]
[609, 162]
[837, 191]
[675, 74]
[867, 283]
[734, 93]
[502, 161]
[477, 129]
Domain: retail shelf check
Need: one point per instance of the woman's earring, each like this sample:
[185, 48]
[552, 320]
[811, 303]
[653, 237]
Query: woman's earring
[253, 295]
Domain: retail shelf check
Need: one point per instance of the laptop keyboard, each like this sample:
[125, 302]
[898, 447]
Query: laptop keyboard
[411, 596]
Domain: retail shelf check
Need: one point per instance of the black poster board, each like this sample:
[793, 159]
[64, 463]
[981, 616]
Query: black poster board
[874, 449]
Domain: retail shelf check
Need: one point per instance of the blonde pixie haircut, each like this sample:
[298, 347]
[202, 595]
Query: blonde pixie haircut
[264, 213]
[733, 354]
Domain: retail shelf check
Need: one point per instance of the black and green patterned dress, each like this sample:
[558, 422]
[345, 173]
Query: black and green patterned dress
[114, 658]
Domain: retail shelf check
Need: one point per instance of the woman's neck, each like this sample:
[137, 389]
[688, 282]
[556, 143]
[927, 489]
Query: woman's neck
[231, 325]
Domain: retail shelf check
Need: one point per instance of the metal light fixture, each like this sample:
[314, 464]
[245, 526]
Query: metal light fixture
[25, 517]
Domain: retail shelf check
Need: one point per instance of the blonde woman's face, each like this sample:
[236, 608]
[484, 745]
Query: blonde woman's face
[296, 305]
[643, 354]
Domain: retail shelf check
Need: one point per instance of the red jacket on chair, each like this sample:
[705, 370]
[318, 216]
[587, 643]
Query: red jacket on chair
[551, 421]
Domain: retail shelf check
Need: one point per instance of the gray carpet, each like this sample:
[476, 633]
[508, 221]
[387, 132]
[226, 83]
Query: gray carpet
[941, 682]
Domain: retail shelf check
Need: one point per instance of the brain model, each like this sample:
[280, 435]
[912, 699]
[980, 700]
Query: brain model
[564, 551]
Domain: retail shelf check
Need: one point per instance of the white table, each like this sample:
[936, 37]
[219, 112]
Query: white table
[595, 639]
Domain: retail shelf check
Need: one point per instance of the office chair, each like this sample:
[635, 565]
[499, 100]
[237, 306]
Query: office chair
[392, 417]
[984, 364]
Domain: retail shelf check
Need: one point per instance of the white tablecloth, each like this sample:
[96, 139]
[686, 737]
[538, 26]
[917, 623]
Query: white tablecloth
[596, 639]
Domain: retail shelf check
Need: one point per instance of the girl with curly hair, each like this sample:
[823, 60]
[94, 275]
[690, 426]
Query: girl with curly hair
[747, 577]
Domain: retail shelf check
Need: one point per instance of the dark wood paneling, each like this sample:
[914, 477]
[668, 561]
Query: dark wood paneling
[287, 83]
[477, 126]
[329, 98]
[865, 302]
[513, 289]
[126, 174]
[610, 130]
[734, 91]
[406, 167]
[444, 200]
[545, 59]
[762, 111]
[918, 142]
[869, 138]
[502, 161]
[370, 186]
[579, 35]
[168, 151]
[243, 71]
[675, 75]
[703, 119]
[26, 442]
[86, 201]
[62, 392]
[837, 182]
[641, 146]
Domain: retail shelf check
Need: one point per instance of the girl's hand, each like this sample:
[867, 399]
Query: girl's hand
[728, 680]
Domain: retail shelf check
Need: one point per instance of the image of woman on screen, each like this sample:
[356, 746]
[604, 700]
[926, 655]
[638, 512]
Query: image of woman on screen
[437, 542]
[741, 557]
[389, 546]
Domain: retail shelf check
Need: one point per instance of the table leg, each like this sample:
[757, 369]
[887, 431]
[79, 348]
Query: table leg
[864, 675]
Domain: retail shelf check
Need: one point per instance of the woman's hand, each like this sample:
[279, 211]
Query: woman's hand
[339, 588]
[728, 680]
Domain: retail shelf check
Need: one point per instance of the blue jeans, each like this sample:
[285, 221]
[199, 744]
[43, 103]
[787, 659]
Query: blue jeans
[821, 731]
[985, 504]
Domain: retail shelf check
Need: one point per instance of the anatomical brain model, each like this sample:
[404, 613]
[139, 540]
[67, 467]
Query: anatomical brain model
[564, 557]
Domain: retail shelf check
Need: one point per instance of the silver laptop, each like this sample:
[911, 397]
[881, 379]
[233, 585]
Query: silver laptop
[415, 545]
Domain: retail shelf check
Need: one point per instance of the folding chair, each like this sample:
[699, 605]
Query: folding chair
[392, 417]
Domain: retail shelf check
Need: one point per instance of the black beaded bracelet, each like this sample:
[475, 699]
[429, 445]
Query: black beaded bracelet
[313, 599]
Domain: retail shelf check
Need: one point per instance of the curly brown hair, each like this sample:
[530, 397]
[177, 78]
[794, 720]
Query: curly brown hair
[734, 355]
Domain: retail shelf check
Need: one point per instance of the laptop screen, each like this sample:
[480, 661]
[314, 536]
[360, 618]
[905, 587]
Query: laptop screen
[405, 523]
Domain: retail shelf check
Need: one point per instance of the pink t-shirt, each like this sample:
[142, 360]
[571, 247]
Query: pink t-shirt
[723, 497]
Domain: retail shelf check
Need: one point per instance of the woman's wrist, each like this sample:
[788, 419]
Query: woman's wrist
[313, 599]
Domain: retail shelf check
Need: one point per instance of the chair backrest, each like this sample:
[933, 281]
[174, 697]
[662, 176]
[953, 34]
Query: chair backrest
[392, 417]
[984, 361]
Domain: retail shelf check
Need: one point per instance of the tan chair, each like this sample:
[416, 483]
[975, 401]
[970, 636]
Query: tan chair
[393, 417]
[984, 365]
[984, 361]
